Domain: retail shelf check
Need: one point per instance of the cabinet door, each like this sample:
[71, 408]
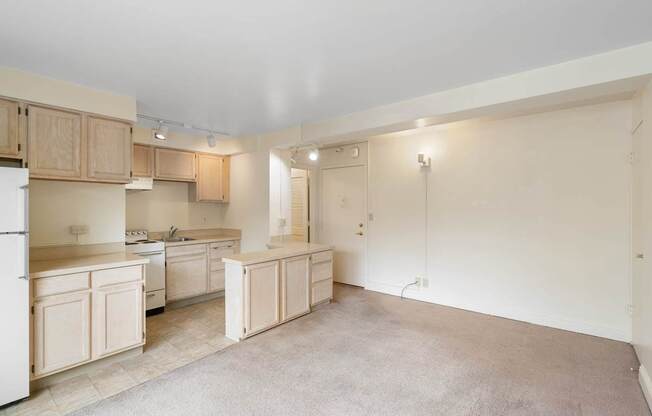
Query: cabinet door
[117, 318]
[216, 280]
[61, 331]
[186, 276]
[8, 128]
[142, 162]
[209, 178]
[54, 143]
[108, 150]
[295, 287]
[174, 165]
[261, 296]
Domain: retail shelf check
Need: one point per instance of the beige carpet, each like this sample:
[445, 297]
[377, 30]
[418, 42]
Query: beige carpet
[372, 354]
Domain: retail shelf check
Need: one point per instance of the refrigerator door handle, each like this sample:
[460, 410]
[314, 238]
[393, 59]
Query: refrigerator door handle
[26, 207]
[26, 257]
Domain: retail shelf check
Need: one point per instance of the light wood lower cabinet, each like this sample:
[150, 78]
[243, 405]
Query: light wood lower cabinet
[79, 318]
[261, 286]
[196, 269]
[260, 296]
[185, 276]
[117, 318]
[62, 332]
[295, 287]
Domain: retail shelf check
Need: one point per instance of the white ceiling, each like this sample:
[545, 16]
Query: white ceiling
[255, 66]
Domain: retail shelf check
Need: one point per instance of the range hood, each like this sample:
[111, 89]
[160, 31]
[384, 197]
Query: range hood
[143, 184]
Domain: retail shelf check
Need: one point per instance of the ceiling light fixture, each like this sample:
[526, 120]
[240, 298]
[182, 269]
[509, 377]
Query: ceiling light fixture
[211, 139]
[313, 155]
[161, 132]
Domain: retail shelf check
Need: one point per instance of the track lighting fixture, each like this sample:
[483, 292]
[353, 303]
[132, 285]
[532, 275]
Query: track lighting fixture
[161, 132]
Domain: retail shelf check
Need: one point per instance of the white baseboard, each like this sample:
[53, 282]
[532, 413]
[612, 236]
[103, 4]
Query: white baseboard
[646, 384]
[557, 322]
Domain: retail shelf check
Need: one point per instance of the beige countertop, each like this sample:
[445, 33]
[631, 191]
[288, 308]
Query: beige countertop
[56, 267]
[278, 250]
[198, 236]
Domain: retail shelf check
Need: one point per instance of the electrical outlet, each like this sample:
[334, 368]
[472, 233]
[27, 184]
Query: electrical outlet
[630, 309]
[419, 281]
[424, 282]
[78, 229]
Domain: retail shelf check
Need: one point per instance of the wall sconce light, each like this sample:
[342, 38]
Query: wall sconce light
[423, 160]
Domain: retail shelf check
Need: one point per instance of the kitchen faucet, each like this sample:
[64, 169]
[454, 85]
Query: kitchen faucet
[172, 232]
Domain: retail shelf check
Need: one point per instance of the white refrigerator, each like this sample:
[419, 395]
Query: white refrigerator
[14, 285]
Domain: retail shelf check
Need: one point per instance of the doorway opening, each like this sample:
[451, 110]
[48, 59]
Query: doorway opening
[300, 204]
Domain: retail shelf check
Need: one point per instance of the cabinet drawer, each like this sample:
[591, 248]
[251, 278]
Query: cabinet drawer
[219, 251]
[61, 284]
[190, 250]
[322, 256]
[322, 271]
[321, 291]
[219, 244]
[118, 275]
[217, 265]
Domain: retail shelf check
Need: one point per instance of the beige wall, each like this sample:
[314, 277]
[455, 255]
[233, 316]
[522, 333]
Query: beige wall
[167, 204]
[32, 87]
[526, 218]
[642, 237]
[56, 205]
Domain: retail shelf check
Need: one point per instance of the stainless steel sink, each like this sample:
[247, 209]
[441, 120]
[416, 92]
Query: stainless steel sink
[177, 239]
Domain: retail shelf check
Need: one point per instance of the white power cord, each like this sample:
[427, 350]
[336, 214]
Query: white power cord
[406, 286]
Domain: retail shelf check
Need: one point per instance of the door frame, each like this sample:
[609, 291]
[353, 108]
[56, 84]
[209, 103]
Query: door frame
[365, 194]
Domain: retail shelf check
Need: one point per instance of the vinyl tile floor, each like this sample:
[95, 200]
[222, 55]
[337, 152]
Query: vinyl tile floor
[174, 338]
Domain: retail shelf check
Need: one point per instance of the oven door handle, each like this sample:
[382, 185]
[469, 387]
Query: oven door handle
[150, 254]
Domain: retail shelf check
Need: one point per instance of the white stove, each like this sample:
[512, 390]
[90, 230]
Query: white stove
[137, 242]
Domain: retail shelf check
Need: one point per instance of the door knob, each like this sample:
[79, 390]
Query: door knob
[640, 256]
[360, 233]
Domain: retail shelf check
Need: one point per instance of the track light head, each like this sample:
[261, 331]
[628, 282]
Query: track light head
[211, 139]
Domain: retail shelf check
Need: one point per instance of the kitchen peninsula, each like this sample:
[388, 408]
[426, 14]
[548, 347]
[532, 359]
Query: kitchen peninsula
[267, 288]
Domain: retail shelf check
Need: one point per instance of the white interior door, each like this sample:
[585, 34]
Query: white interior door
[343, 222]
[299, 208]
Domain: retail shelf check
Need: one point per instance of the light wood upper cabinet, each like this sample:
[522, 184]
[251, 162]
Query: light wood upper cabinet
[174, 165]
[62, 325]
[8, 128]
[54, 140]
[142, 161]
[295, 287]
[117, 318]
[261, 287]
[212, 178]
[109, 150]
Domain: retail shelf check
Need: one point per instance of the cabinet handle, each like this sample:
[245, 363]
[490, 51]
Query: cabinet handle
[151, 295]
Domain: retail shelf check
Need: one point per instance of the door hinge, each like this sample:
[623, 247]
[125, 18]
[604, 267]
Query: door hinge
[18, 110]
[26, 112]
[131, 130]
[32, 309]
[26, 164]
[19, 147]
[131, 173]
[143, 336]
[32, 368]
[630, 158]
[244, 330]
